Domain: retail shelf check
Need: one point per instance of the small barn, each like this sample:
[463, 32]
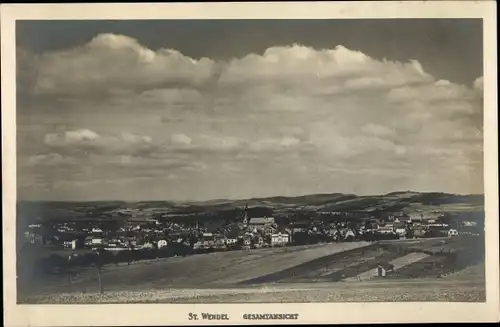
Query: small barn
[383, 268]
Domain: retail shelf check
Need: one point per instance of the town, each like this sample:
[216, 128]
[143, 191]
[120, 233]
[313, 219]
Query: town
[141, 236]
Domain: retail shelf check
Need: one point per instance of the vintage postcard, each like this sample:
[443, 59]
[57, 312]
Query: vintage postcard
[249, 163]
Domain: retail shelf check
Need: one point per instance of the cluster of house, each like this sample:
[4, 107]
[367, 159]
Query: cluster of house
[251, 233]
[404, 225]
[247, 233]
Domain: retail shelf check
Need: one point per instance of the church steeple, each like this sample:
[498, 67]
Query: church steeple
[245, 219]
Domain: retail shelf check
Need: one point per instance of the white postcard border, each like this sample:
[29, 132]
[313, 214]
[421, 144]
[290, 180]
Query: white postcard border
[168, 314]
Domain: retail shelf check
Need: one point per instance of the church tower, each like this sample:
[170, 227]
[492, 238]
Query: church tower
[245, 218]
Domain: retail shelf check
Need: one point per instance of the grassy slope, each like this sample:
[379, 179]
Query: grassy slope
[207, 270]
[242, 269]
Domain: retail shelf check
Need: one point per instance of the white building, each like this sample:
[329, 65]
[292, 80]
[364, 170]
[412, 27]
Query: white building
[96, 240]
[231, 241]
[198, 245]
[349, 233]
[162, 243]
[279, 239]
[387, 229]
[400, 231]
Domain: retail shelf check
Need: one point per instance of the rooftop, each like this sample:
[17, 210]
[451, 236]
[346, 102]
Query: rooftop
[262, 221]
[386, 265]
[399, 225]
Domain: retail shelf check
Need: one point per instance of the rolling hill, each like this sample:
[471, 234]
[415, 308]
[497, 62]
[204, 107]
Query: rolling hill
[406, 201]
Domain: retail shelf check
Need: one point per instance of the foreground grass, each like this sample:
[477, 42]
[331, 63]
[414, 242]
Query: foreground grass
[472, 294]
[216, 278]
[449, 290]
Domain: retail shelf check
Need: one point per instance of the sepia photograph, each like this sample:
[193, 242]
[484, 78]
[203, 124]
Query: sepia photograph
[249, 161]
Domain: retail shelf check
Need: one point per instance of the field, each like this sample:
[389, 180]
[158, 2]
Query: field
[431, 269]
[204, 270]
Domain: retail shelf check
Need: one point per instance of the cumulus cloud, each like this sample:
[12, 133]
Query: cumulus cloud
[289, 111]
[114, 62]
[72, 138]
[299, 64]
[50, 159]
[87, 141]
[220, 144]
[378, 130]
[225, 142]
[478, 83]
[181, 139]
[438, 91]
[172, 96]
[275, 144]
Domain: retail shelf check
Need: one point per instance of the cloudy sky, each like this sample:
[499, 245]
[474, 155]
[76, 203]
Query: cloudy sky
[194, 110]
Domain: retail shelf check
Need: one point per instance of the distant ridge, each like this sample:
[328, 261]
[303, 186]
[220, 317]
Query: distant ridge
[315, 197]
[402, 193]
[226, 209]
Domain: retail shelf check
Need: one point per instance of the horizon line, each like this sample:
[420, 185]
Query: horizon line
[251, 198]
